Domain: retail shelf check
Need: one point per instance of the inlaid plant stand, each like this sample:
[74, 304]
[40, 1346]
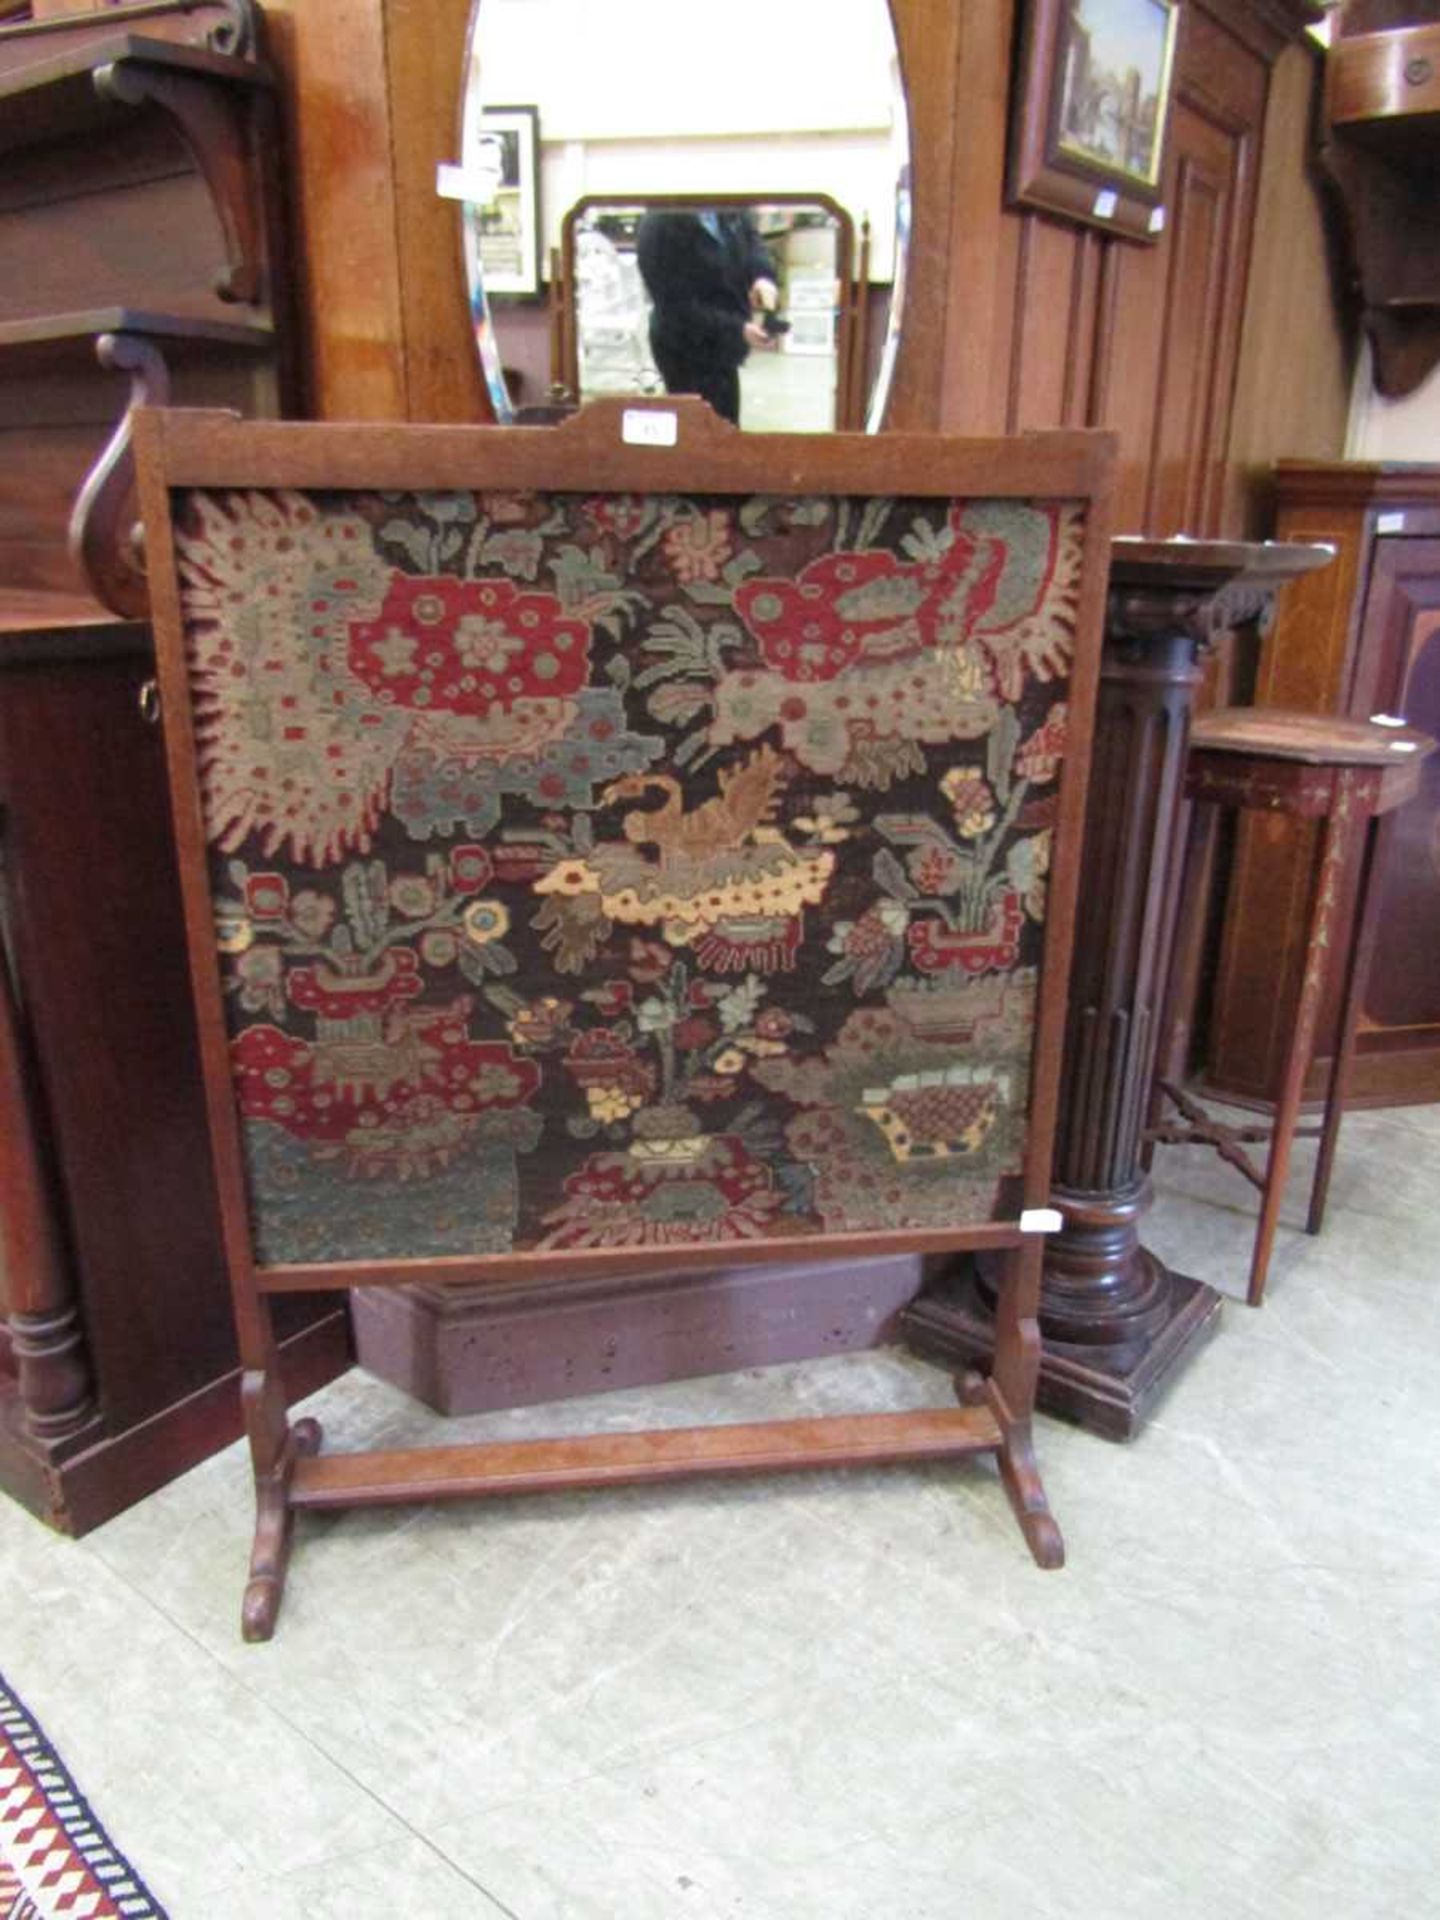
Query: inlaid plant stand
[474, 1007]
[1350, 776]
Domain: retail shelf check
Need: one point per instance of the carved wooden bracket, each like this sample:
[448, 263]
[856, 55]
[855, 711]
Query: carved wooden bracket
[213, 122]
[236, 31]
[1380, 155]
[104, 539]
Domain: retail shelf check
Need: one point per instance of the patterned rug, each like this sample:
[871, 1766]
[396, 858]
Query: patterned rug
[56, 1861]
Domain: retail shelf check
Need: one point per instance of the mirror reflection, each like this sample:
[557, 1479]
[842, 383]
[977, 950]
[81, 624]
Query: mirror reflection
[623, 119]
[747, 303]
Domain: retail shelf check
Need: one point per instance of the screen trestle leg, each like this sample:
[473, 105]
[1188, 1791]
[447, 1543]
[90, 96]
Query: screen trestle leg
[275, 1446]
[1009, 1392]
[994, 1417]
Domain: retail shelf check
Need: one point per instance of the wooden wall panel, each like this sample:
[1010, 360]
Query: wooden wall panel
[1297, 345]
[1054, 325]
[1202, 310]
[336, 97]
[1048, 324]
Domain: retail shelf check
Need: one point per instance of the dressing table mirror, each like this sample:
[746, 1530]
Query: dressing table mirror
[807, 375]
[624, 105]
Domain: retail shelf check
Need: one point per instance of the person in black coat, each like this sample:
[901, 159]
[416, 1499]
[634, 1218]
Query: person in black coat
[706, 274]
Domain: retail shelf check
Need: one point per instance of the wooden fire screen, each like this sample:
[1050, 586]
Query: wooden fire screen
[632, 842]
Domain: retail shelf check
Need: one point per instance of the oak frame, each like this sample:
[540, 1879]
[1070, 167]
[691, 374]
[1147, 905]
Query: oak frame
[178, 449]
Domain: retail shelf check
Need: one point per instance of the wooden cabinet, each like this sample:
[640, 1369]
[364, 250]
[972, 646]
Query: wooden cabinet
[139, 198]
[1359, 638]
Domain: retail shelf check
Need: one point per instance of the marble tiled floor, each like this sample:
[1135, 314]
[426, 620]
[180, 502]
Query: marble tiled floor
[842, 1697]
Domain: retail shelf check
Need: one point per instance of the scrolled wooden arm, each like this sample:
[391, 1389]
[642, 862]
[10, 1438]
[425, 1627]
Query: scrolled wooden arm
[104, 537]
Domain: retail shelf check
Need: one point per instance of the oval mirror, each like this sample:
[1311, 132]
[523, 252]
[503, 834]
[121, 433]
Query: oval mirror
[653, 205]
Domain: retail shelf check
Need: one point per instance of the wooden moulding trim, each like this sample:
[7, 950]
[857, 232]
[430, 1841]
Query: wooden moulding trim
[1265, 26]
[617, 1459]
[214, 448]
[1356, 483]
[631, 1261]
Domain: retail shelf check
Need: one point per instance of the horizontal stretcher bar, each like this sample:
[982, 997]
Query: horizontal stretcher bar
[630, 1262]
[617, 1459]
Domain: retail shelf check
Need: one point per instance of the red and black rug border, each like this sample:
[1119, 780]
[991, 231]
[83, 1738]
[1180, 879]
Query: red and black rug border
[22, 1737]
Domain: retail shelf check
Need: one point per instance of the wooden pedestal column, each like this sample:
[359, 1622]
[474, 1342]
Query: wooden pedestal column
[45, 1344]
[1117, 1324]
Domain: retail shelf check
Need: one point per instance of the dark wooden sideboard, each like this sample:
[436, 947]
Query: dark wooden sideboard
[139, 175]
[1359, 638]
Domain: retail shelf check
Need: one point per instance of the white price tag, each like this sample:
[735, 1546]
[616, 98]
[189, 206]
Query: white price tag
[1157, 219]
[649, 427]
[1386, 720]
[1390, 523]
[1105, 204]
[452, 183]
[1041, 1220]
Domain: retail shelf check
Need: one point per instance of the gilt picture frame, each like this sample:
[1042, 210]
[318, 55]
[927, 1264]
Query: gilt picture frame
[1093, 92]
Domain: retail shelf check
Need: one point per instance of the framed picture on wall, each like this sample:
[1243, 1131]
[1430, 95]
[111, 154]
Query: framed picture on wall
[502, 181]
[1093, 84]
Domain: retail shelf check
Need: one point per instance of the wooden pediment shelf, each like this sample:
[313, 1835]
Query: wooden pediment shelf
[51, 338]
[207, 96]
[1381, 152]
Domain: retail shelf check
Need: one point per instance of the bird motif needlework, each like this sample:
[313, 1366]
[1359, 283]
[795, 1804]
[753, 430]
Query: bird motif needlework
[626, 871]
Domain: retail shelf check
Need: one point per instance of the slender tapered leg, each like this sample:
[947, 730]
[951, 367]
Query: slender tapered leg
[1356, 973]
[1335, 841]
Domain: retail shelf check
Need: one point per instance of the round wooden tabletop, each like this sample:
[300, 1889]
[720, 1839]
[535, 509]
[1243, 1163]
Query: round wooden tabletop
[1323, 739]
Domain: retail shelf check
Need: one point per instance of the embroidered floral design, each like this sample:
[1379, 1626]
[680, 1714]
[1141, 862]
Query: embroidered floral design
[625, 872]
[699, 546]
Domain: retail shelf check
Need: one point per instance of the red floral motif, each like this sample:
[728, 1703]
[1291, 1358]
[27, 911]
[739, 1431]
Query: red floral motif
[649, 962]
[611, 997]
[468, 646]
[601, 1059]
[1040, 756]
[470, 869]
[334, 995]
[403, 1105]
[267, 896]
[621, 514]
[848, 608]
[934, 947]
[721, 1192]
[695, 1032]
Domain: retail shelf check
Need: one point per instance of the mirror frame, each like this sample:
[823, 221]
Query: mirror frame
[851, 343]
[934, 40]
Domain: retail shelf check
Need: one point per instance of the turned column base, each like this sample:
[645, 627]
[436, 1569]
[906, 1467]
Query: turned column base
[1107, 1381]
[1108, 1391]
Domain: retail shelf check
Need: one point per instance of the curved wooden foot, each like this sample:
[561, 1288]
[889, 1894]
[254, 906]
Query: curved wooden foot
[274, 1529]
[1019, 1474]
[1020, 1478]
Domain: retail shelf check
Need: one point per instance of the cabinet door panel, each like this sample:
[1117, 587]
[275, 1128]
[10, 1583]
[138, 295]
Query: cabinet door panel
[1399, 672]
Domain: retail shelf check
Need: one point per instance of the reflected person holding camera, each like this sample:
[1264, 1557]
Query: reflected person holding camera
[713, 293]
